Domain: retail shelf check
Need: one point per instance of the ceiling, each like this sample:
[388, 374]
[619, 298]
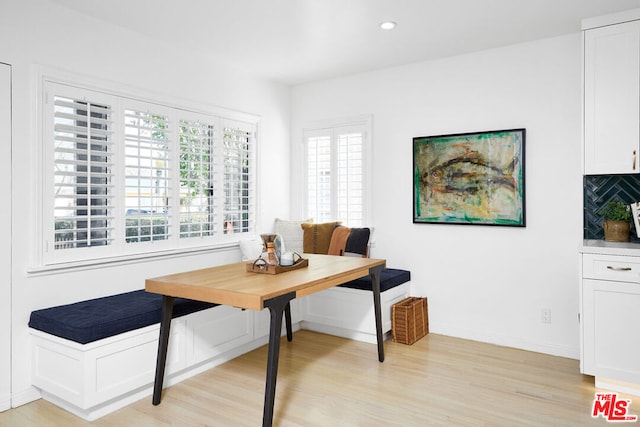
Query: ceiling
[299, 41]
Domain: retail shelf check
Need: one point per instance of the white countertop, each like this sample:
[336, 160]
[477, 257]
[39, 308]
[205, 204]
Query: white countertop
[603, 247]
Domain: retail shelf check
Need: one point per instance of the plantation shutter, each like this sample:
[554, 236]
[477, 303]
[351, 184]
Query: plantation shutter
[197, 204]
[83, 205]
[350, 178]
[336, 174]
[147, 177]
[319, 177]
[238, 148]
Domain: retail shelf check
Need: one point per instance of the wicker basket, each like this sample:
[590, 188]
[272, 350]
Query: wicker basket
[409, 320]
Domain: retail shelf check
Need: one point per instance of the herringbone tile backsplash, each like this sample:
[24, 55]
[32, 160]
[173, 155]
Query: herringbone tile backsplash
[600, 189]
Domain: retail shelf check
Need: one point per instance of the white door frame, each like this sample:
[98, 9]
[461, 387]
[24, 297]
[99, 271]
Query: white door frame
[5, 243]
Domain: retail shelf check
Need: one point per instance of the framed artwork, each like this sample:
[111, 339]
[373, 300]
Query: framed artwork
[470, 178]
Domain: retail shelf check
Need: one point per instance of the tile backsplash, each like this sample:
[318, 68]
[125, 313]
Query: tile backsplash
[600, 189]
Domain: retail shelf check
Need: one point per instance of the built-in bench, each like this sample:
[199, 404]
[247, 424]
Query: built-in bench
[93, 357]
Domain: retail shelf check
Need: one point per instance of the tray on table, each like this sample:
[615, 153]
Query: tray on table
[263, 267]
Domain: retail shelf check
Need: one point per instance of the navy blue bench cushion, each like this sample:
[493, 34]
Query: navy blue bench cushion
[95, 319]
[389, 278]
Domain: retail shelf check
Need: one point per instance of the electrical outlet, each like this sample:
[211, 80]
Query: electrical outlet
[545, 315]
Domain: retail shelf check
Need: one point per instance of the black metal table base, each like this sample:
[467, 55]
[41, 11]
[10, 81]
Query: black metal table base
[377, 308]
[278, 307]
[163, 345]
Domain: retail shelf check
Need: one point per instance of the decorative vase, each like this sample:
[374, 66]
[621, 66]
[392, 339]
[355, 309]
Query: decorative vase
[616, 231]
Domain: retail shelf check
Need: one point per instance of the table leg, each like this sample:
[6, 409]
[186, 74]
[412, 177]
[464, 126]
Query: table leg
[375, 285]
[276, 307]
[163, 344]
[287, 319]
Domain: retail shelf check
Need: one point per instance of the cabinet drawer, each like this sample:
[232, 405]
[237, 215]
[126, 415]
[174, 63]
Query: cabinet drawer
[608, 267]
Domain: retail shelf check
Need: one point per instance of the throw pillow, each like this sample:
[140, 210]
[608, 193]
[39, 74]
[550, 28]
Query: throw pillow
[251, 249]
[338, 242]
[291, 232]
[358, 241]
[317, 237]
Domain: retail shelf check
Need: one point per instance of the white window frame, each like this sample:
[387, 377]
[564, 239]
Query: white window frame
[333, 128]
[47, 257]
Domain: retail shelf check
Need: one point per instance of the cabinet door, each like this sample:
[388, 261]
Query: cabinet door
[610, 322]
[611, 104]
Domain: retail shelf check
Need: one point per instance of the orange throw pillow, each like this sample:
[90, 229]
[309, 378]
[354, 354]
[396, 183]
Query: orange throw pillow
[338, 242]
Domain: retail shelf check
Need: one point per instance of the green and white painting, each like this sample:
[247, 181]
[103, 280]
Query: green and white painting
[470, 178]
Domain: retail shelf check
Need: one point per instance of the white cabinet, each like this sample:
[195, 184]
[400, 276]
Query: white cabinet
[611, 99]
[610, 320]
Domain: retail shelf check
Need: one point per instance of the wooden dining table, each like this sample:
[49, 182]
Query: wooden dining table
[233, 285]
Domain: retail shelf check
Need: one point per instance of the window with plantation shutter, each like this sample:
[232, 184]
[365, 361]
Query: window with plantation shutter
[336, 173]
[238, 183]
[125, 177]
[83, 204]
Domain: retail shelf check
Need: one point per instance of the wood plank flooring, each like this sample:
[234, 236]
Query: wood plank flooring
[329, 381]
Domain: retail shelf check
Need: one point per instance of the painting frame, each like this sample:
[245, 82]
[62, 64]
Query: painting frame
[473, 178]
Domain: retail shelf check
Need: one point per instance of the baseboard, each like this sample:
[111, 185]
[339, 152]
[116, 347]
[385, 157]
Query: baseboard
[102, 410]
[619, 386]
[508, 341]
[5, 402]
[25, 396]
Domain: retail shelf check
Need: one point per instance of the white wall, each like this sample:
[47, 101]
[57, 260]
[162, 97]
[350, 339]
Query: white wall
[36, 34]
[5, 242]
[483, 283]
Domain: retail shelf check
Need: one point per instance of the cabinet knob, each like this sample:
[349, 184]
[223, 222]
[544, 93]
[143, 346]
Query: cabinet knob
[633, 166]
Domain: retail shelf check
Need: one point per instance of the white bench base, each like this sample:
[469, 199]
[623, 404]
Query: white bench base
[94, 379]
[349, 313]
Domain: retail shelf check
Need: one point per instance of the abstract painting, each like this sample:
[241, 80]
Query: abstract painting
[470, 178]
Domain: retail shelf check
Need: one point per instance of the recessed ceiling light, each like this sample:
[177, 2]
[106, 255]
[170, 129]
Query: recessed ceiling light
[388, 25]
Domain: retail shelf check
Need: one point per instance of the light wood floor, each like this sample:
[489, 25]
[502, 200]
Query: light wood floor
[329, 381]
